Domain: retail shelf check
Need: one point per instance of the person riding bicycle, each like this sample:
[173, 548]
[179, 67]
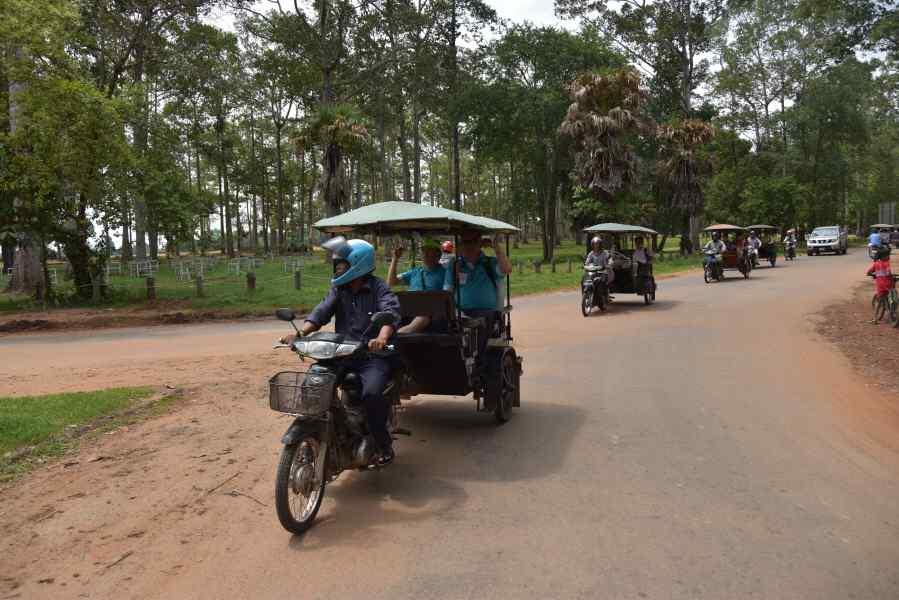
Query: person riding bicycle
[880, 271]
[355, 295]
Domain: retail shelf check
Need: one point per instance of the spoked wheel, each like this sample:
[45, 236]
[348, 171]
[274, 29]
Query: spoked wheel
[893, 306]
[586, 304]
[503, 386]
[298, 495]
[650, 297]
[707, 274]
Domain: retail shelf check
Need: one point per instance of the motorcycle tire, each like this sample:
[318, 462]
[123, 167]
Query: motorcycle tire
[285, 486]
[603, 303]
[706, 275]
[773, 262]
[586, 304]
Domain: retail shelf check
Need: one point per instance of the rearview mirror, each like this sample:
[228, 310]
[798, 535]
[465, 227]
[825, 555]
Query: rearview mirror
[380, 319]
[285, 314]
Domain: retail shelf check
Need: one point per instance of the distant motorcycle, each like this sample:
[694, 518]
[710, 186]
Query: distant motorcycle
[790, 250]
[594, 289]
[711, 267]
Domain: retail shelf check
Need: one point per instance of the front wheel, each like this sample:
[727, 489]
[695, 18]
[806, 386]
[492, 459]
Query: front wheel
[707, 274]
[893, 302]
[879, 304]
[586, 303]
[298, 493]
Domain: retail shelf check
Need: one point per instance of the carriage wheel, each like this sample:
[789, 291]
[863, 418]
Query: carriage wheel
[503, 384]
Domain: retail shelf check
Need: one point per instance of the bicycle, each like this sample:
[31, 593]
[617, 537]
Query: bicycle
[888, 304]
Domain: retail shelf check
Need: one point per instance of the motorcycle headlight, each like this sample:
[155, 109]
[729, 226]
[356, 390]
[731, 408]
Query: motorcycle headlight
[320, 350]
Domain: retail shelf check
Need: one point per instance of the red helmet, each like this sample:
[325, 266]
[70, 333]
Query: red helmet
[448, 247]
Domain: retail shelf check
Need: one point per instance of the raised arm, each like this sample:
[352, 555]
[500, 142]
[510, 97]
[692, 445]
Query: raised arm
[504, 264]
[392, 279]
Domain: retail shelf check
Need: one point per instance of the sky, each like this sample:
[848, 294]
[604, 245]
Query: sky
[538, 12]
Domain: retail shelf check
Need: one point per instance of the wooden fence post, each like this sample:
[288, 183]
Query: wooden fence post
[552, 265]
[251, 281]
[537, 265]
[569, 264]
[199, 282]
[521, 267]
[151, 288]
[296, 279]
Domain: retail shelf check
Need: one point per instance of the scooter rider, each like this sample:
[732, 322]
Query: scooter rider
[354, 297]
[714, 248]
[599, 257]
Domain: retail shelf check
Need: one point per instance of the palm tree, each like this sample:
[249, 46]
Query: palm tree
[606, 115]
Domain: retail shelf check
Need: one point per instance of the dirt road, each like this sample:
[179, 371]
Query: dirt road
[710, 446]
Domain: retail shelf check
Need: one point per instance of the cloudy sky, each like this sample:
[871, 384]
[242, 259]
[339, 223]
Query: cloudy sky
[539, 12]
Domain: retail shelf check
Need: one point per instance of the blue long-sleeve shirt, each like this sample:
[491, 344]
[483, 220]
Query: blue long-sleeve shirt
[353, 311]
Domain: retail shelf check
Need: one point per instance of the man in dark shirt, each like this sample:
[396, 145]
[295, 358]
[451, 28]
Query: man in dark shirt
[354, 297]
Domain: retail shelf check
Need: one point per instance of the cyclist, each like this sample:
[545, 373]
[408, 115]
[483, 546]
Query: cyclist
[883, 276]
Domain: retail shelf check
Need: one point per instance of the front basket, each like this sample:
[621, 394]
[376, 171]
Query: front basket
[296, 393]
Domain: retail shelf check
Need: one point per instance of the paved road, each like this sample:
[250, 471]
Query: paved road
[709, 446]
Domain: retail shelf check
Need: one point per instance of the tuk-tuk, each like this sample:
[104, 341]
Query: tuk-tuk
[735, 257]
[446, 363]
[624, 275]
[770, 237]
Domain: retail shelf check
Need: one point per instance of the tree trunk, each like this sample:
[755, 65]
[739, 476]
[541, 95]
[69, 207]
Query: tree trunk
[404, 153]
[26, 260]
[416, 156]
[279, 171]
[140, 146]
[8, 250]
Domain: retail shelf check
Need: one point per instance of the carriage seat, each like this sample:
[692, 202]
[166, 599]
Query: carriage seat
[437, 304]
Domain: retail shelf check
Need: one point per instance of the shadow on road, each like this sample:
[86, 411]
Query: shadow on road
[451, 444]
[619, 306]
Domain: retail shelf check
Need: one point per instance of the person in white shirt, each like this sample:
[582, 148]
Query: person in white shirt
[642, 255]
[599, 257]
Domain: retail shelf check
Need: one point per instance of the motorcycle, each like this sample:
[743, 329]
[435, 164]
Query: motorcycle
[594, 290]
[753, 256]
[329, 434]
[711, 267]
[790, 251]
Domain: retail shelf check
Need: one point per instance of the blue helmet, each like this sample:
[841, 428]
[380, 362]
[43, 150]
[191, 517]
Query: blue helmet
[359, 254]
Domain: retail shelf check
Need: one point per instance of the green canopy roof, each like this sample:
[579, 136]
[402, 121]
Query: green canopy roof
[389, 217]
[620, 228]
[724, 227]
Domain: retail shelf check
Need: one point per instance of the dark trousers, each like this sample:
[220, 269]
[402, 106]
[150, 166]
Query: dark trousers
[374, 373]
[489, 317]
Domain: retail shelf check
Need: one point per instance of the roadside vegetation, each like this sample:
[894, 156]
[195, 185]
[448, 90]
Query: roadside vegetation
[35, 429]
[226, 292]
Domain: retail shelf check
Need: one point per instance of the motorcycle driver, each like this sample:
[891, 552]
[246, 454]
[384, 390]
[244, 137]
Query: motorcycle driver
[355, 295]
[714, 248]
[599, 257]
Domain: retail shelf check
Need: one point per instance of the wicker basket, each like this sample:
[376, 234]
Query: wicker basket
[299, 393]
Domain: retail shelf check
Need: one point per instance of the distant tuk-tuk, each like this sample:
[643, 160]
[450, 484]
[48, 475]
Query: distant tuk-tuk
[735, 258]
[770, 237]
[446, 363]
[625, 275]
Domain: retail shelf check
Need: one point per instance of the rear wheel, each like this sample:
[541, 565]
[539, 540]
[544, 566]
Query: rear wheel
[298, 494]
[503, 385]
[893, 305]
[602, 302]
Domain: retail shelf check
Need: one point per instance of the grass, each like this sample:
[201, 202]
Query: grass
[41, 427]
[226, 291]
